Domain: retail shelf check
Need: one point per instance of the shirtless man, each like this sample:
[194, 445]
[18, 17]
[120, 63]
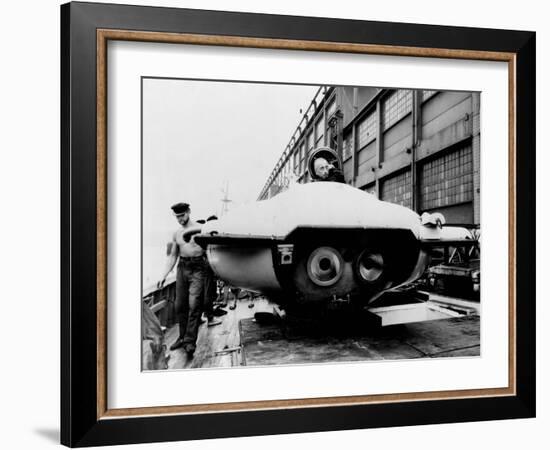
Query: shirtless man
[189, 279]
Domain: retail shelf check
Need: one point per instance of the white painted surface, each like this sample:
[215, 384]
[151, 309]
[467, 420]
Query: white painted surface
[318, 205]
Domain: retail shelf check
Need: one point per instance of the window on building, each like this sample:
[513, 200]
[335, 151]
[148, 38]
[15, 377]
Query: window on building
[447, 180]
[366, 129]
[302, 157]
[297, 160]
[396, 106]
[347, 149]
[397, 189]
[310, 143]
[319, 130]
[286, 173]
[331, 109]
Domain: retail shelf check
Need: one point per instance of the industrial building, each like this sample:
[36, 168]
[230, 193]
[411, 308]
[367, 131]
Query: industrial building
[417, 148]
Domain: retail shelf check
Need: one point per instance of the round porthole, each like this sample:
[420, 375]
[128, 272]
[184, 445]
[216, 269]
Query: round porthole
[325, 266]
[370, 266]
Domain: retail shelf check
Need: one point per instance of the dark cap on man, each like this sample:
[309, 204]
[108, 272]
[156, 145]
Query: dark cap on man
[180, 208]
[212, 217]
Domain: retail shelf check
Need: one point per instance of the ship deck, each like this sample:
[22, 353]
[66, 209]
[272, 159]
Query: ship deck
[241, 340]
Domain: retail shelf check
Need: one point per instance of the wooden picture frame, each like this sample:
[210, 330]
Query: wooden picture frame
[85, 416]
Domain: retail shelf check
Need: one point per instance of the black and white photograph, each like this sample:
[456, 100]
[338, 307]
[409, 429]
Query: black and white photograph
[290, 224]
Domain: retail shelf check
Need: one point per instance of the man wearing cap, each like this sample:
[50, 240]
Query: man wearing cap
[189, 279]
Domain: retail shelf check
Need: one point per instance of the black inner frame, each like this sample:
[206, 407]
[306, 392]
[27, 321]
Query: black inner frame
[79, 424]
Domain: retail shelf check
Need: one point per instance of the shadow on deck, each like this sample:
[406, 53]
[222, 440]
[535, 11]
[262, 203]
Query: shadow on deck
[240, 340]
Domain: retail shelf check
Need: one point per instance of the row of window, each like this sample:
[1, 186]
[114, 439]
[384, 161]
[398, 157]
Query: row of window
[394, 107]
[447, 180]
[366, 130]
[314, 138]
[444, 181]
[397, 189]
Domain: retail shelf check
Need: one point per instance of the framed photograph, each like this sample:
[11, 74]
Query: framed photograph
[279, 224]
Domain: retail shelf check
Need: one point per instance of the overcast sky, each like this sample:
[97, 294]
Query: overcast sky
[200, 135]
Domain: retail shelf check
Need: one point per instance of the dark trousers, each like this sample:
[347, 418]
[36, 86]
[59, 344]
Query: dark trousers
[189, 288]
[209, 292]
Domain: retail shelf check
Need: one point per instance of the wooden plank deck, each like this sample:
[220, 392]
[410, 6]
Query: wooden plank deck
[219, 345]
[241, 340]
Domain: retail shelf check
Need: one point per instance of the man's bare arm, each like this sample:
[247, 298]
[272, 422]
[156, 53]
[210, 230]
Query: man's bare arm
[170, 262]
